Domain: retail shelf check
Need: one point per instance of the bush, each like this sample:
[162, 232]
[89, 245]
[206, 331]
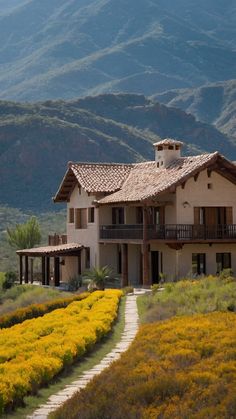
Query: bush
[74, 283]
[31, 354]
[187, 297]
[128, 290]
[9, 280]
[37, 310]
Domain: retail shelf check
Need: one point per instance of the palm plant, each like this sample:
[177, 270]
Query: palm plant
[96, 278]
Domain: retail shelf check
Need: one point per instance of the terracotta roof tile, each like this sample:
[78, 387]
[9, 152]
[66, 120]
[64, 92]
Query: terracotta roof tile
[103, 177]
[146, 180]
[50, 250]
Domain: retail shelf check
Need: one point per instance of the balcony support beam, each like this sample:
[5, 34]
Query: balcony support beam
[124, 258]
[146, 276]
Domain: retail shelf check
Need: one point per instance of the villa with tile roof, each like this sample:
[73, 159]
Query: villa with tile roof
[172, 217]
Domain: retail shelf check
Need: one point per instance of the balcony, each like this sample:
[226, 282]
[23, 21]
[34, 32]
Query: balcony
[170, 232]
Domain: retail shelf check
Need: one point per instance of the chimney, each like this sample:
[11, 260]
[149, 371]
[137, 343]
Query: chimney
[166, 151]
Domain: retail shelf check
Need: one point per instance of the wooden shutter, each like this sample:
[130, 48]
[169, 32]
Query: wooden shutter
[229, 215]
[84, 218]
[77, 218]
[162, 215]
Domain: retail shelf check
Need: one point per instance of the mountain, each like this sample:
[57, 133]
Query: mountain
[214, 104]
[38, 139]
[70, 48]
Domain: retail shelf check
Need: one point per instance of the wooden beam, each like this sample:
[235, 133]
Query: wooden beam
[124, 258]
[47, 270]
[146, 279]
[43, 271]
[196, 177]
[21, 269]
[56, 271]
[26, 269]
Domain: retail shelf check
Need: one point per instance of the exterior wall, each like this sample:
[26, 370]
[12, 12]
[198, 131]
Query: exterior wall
[197, 194]
[185, 257]
[108, 256]
[88, 237]
[70, 269]
[177, 264]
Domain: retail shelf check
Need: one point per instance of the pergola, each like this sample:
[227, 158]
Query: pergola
[46, 253]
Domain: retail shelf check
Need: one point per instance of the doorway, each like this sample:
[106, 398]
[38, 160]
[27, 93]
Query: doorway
[155, 267]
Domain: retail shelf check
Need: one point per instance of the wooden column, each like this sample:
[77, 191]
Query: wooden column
[43, 271]
[124, 258]
[146, 274]
[56, 271]
[21, 269]
[26, 269]
[31, 270]
[47, 270]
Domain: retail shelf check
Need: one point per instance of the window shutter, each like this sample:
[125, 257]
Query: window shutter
[229, 215]
[196, 215]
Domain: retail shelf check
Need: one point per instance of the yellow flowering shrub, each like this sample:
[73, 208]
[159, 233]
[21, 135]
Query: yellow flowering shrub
[182, 368]
[33, 352]
[37, 310]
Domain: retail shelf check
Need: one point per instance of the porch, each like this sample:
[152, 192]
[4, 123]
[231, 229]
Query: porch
[47, 253]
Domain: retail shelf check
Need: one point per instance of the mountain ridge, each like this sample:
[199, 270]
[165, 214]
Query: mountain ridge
[71, 48]
[37, 140]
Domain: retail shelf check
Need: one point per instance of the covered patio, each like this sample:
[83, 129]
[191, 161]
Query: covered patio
[46, 253]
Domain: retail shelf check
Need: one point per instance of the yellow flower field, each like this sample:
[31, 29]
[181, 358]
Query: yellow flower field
[33, 352]
[181, 368]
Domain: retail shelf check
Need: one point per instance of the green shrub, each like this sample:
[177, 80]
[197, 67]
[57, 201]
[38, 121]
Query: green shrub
[9, 280]
[128, 290]
[74, 283]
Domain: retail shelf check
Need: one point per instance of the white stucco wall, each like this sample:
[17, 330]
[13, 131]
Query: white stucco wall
[197, 194]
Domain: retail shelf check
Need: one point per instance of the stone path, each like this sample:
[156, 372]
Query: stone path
[130, 330]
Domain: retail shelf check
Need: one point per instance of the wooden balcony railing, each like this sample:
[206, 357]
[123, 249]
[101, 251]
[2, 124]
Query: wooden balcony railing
[176, 232]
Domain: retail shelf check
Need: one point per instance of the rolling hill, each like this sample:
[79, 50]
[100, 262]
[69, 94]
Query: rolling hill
[70, 48]
[38, 139]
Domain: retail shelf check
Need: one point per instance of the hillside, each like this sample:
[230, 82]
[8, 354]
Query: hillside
[50, 223]
[214, 104]
[70, 48]
[37, 140]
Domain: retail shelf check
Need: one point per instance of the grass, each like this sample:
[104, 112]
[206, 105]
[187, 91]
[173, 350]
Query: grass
[189, 297]
[72, 373]
[25, 295]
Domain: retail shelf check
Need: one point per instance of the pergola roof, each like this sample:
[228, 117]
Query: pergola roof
[60, 250]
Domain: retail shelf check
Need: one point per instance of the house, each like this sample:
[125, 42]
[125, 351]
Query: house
[174, 216]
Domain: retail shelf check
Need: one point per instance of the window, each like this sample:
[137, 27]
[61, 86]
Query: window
[80, 218]
[91, 214]
[223, 261]
[71, 215]
[118, 215]
[199, 263]
[87, 258]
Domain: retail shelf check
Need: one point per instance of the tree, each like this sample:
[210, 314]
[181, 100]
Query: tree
[25, 236]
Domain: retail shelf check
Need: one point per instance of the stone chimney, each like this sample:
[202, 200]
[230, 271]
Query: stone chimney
[166, 151]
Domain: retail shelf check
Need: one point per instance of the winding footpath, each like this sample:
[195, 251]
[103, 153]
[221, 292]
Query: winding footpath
[130, 330]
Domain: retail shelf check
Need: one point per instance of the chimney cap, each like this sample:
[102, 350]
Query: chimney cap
[168, 141]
